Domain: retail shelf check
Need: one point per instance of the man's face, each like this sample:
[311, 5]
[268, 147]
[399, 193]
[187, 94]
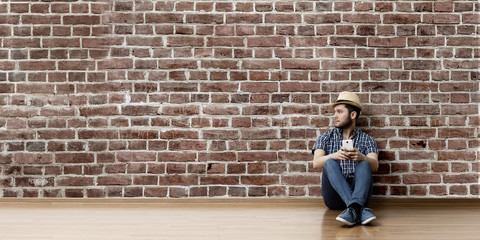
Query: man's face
[341, 118]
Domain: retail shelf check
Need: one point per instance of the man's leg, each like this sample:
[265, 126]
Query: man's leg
[333, 171]
[330, 197]
[362, 183]
[362, 192]
[338, 185]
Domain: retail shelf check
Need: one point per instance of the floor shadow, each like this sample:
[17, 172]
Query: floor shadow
[333, 229]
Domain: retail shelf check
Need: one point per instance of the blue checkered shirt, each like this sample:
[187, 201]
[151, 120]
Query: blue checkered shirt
[331, 142]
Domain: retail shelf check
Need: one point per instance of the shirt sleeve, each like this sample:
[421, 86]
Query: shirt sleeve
[321, 142]
[370, 146]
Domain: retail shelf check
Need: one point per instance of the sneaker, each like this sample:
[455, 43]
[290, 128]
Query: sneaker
[367, 216]
[348, 216]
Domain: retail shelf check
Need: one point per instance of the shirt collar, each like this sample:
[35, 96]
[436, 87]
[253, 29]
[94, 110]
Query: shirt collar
[356, 131]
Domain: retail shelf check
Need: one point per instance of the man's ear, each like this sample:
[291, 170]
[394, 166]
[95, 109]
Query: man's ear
[353, 115]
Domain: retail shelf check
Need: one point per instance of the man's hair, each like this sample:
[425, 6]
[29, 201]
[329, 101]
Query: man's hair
[353, 109]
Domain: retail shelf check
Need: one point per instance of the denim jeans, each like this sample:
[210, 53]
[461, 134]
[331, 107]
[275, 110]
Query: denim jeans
[338, 193]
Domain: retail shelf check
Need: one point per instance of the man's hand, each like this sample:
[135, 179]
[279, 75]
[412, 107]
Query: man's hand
[342, 154]
[353, 154]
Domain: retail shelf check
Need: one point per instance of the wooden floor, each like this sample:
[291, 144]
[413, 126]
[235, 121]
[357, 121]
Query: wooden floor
[231, 219]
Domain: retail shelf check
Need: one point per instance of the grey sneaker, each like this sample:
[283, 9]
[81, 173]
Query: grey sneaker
[348, 216]
[366, 216]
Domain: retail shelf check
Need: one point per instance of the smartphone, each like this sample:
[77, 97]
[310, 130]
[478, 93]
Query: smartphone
[348, 144]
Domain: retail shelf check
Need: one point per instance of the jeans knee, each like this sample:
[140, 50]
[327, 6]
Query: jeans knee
[330, 162]
[364, 164]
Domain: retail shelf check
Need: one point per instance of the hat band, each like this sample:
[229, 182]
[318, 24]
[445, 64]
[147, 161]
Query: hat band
[345, 101]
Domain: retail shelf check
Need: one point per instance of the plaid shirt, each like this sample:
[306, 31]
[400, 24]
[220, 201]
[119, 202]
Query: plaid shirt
[331, 142]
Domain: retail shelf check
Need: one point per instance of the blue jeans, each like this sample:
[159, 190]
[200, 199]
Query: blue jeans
[338, 193]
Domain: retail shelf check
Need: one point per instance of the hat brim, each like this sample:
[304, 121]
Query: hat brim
[349, 103]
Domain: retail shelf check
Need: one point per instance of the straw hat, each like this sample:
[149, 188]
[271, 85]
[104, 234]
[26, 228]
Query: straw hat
[348, 98]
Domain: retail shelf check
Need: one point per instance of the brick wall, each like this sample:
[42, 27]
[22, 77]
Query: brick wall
[219, 98]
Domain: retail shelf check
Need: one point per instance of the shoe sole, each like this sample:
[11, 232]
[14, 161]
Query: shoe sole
[344, 221]
[369, 220]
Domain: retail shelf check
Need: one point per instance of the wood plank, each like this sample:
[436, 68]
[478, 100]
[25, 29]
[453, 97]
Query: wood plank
[277, 219]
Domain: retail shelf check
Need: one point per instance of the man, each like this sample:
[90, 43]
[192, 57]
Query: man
[347, 173]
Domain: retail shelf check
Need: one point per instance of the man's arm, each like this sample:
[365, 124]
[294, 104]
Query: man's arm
[319, 157]
[371, 158]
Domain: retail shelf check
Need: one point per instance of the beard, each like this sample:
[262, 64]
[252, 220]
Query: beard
[345, 124]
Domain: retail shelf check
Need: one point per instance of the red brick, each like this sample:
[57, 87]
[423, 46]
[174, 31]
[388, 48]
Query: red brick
[187, 145]
[279, 192]
[300, 64]
[387, 42]
[236, 168]
[470, 19]
[218, 87]
[438, 190]
[260, 64]
[74, 181]
[97, 134]
[299, 87]
[136, 156]
[74, 158]
[283, 18]
[416, 155]
[441, 18]
[459, 109]
[206, 18]
[259, 180]
[348, 41]
[176, 157]
[401, 18]
[456, 155]
[182, 180]
[220, 134]
[363, 6]
[251, 134]
[464, 64]
[180, 110]
[381, 86]
[219, 64]
[114, 180]
[384, 179]
[173, 134]
[243, 18]
[145, 180]
[198, 191]
[257, 156]
[461, 178]
[26, 158]
[259, 87]
[458, 190]
[322, 18]
[300, 180]
[221, 110]
[156, 192]
[45, 19]
[455, 133]
[223, 180]
[463, 41]
[266, 42]
[421, 178]
[185, 42]
[362, 18]
[261, 110]
[459, 167]
[294, 156]
[77, 20]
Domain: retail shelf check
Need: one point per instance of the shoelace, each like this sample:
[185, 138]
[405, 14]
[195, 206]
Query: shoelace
[368, 209]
